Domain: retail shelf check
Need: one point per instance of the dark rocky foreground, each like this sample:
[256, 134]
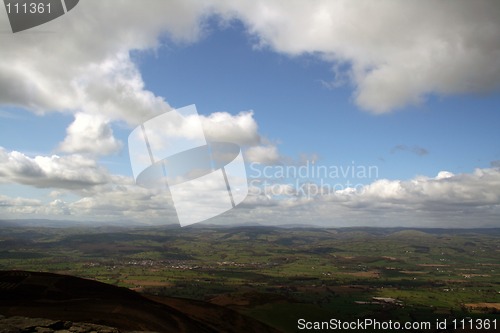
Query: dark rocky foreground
[18, 324]
[72, 304]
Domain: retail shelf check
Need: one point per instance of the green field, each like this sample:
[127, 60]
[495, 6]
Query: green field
[279, 275]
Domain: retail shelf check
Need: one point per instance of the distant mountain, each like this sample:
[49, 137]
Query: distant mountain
[66, 298]
[66, 223]
[47, 223]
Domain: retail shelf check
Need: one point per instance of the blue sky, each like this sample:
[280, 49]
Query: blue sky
[224, 72]
[323, 90]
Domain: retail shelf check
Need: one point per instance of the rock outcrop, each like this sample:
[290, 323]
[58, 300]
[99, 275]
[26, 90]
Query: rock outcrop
[18, 324]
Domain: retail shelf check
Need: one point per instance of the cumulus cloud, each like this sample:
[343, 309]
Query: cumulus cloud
[67, 172]
[92, 63]
[267, 154]
[90, 134]
[86, 66]
[10, 207]
[393, 53]
[114, 88]
[481, 188]
[6, 201]
[396, 52]
[241, 129]
[21, 207]
[125, 200]
[447, 200]
[119, 199]
[224, 127]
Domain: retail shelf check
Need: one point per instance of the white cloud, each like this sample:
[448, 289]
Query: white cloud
[398, 51]
[59, 207]
[90, 134]
[448, 200]
[12, 206]
[117, 199]
[67, 172]
[267, 154]
[464, 200]
[21, 207]
[6, 201]
[395, 53]
[241, 129]
[126, 201]
[114, 88]
[85, 65]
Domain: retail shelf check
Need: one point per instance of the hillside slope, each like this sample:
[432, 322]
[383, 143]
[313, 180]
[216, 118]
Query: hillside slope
[68, 298]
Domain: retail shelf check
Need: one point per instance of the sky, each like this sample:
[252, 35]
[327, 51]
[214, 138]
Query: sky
[394, 105]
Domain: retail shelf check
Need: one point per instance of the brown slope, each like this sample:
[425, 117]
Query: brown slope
[63, 297]
[217, 317]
